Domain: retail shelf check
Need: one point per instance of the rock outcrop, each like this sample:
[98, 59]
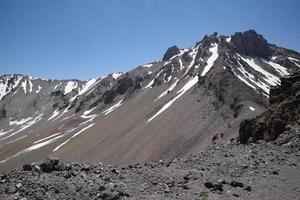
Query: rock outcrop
[251, 44]
[171, 51]
[284, 112]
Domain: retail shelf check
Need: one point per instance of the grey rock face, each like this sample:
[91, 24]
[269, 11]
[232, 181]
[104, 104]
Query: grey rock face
[251, 44]
[284, 110]
[171, 51]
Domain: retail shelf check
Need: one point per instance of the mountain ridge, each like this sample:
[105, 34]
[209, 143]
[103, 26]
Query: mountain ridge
[164, 109]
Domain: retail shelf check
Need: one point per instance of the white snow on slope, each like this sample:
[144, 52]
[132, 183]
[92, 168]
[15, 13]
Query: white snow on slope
[211, 59]
[33, 147]
[250, 79]
[46, 138]
[55, 113]
[180, 64]
[112, 108]
[85, 113]
[182, 51]
[273, 57]
[75, 135]
[280, 69]
[269, 78]
[30, 86]
[193, 54]
[168, 90]
[56, 86]
[152, 81]
[39, 89]
[184, 89]
[5, 88]
[25, 126]
[87, 116]
[251, 108]
[5, 132]
[68, 117]
[228, 39]
[87, 86]
[39, 145]
[12, 141]
[24, 85]
[147, 65]
[294, 60]
[70, 86]
[117, 75]
[19, 122]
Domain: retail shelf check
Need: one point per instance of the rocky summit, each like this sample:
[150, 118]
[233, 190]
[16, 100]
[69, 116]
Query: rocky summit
[218, 120]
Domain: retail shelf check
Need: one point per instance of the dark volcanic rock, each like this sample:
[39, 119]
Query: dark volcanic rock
[27, 167]
[52, 164]
[157, 180]
[284, 110]
[251, 44]
[2, 113]
[172, 51]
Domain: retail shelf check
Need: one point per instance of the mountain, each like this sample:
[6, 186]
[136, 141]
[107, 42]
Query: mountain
[258, 170]
[161, 110]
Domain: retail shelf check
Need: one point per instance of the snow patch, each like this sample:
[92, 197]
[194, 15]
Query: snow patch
[168, 90]
[25, 126]
[19, 122]
[251, 108]
[70, 86]
[193, 54]
[75, 135]
[39, 89]
[152, 81]
[147, 65]
[269, 78]
[39, 145]
[5, 88]
[55, 113]
[24, 85]
[46, 138]
[5, 132]
[184, 89]
[280, 69]
[117, 75]
[112, 108]
[294, 60]
[250, 80]
[273, 57]
[211, 59]
[228, 39]
[30, 86]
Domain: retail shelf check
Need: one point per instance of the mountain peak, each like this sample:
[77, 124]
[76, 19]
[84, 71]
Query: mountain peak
[250, 43]
[171, 51]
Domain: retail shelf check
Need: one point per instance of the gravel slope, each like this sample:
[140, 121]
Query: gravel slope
[255, 171]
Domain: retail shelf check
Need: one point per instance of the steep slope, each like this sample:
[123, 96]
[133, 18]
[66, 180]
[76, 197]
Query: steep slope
[160, 110]
[283, 114]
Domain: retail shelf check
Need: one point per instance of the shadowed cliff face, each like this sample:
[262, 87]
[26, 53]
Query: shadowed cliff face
[283, 113]
[251, 44]
[159, 110]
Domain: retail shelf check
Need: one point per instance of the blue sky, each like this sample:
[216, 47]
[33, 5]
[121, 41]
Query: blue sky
[65, 39]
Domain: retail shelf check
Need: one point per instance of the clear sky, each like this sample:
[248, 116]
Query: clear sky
[65, 39]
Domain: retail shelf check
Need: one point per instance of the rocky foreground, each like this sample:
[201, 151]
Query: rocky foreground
[232, 171]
